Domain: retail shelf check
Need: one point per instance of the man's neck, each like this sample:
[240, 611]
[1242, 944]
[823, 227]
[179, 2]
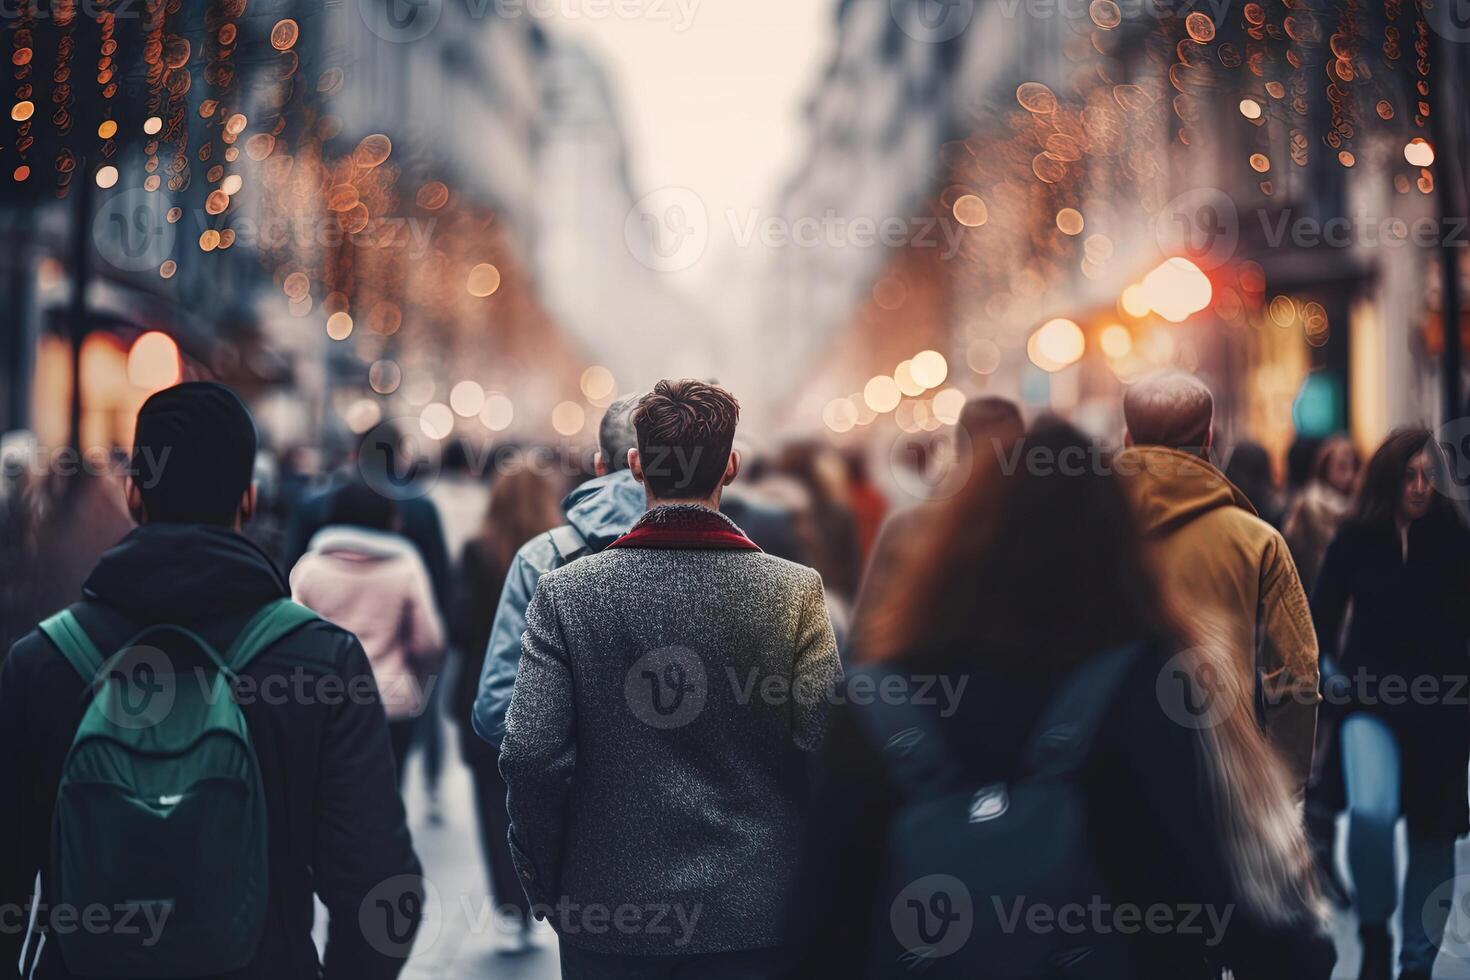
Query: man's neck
[708, 503]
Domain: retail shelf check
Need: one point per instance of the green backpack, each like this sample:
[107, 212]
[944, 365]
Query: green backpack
[159, 830]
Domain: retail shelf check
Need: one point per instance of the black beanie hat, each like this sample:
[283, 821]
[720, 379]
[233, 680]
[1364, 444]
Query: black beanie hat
[193, 454]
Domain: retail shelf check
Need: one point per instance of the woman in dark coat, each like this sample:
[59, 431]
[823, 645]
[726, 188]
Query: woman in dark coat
[1022, 582]
[523, 504]
[1401, 564]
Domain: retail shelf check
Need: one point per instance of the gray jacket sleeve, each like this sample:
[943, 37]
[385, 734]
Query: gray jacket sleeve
[503, 655]
[539, 752]
[817, 668]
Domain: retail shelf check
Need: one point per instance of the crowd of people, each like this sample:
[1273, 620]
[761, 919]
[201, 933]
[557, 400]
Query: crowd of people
[1091, 713]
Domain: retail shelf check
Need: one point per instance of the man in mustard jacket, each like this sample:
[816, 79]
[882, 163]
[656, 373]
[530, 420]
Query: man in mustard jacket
[1228, 572]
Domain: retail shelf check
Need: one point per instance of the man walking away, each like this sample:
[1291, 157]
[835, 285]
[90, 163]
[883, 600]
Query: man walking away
[598, 513]
[217, 773]
[1229, 572]
[656, 746]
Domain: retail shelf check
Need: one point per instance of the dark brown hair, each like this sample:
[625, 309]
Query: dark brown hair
[685, 431]
[1027, 569]
[1382, 481]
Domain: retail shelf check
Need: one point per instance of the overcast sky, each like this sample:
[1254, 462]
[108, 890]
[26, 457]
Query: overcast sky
[710, 90]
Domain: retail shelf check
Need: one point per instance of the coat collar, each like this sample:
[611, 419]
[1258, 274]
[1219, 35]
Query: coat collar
[685, 527]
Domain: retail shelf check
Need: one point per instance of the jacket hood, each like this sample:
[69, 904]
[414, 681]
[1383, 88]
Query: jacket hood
[184, 573]
[605, 508]
[1170, 488]
[359, 542]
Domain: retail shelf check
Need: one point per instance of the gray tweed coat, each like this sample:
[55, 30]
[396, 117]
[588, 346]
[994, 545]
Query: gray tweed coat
[656, 746]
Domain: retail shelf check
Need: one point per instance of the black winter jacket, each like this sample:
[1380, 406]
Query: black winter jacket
[336, 823]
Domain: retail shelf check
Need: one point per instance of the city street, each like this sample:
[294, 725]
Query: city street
[459, 946]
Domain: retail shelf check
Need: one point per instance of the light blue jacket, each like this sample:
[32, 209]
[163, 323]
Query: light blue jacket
[598, 513]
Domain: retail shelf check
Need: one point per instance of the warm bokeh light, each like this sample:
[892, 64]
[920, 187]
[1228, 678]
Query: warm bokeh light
[1419, 152]
[598, 383]
[1250, 108]
[467, 398]
[567, 418]
[152, 126]
[1177, 289]
[1116, 341]
[839, 415]
[1058, 344]
[153, 361]
[983, 356]
[106, 176]
[929, 368]
[362, 415]
[1134, 301]
[948, 404]
[436, 420]
[385, 376]
[497, 413]
[484, 280]
[970, 211]
[882, 394]
[903, 376]
[1069, 221]
[339, 326]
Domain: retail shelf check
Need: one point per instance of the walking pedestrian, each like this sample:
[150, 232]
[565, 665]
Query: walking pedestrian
[597, 513]
[670, 689]
[1320, 507]
[360, 573]
[211, 839]
[988, 429]
[1311, 523]
[1223, 565]
[1004, 756]
[1401, 562]
[523, 504]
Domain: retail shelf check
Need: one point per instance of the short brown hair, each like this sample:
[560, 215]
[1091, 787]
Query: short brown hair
[685, 431]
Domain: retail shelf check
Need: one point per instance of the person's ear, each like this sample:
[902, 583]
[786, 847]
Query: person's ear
[134, 496]
[248, 502]
[1127, 436]
[732, 468]
[599, 464]
[635, 463]
[1209, 439]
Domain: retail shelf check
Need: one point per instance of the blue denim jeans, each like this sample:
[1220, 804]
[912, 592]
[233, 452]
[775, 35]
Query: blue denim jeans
[1372, 772]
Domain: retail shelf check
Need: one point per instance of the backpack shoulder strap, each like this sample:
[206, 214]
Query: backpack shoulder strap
[568, 543]
[75, 645]
[273, 623]
[1065, 732]
[915, 755]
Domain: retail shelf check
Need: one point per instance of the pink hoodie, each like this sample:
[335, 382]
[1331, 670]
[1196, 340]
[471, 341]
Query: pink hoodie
[374, 584]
